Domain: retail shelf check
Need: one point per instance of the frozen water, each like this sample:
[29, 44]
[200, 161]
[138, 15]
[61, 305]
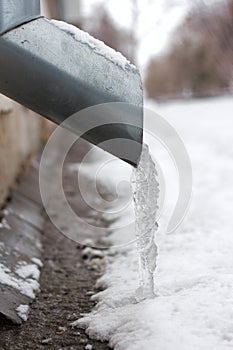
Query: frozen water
[145, 192]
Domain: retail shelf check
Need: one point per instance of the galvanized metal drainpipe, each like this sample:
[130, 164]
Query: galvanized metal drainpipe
[47, 70]
[16, 12]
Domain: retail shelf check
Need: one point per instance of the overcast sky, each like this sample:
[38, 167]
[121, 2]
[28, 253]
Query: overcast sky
[157, 20]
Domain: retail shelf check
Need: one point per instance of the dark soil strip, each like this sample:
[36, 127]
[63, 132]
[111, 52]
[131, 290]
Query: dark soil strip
[65, 282]
[66, 285]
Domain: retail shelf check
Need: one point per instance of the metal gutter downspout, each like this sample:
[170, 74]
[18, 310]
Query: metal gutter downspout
[16, 12]
[56, 75]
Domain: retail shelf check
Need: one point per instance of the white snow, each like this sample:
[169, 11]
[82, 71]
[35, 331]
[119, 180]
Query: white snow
[25, 270]
[37, 261]
[90, 253]
[88, 347]
[4, 224]
[22, 312]
[24, 279]
[193, 309]
[98, 46]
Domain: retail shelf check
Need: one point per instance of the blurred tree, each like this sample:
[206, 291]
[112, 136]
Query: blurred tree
[200, 60]
[128, 40]
[65, 10]
[134, 29]
[105, 29]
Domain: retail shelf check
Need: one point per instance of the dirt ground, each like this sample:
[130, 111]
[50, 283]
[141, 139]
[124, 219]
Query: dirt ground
[66, 285]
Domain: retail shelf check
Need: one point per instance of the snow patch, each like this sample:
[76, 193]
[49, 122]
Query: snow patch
[88, 347]
[25, 285]
[25, 271]
[194, 305]
[7, 212]
[37, 261]
[4, 224]
[22, 312]
[91, 253]
[98, 46]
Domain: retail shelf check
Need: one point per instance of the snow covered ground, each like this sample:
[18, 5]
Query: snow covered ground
[193, 309]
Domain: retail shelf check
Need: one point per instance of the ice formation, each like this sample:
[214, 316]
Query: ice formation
[145, 192]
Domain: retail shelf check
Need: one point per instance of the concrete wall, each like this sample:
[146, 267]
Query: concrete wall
[20, 135]
[21, 132]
